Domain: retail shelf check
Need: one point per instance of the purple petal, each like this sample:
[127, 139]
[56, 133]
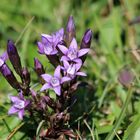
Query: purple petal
[46, 77]
[21, 114]
[46, 37]
[48, 49]
[66, 64]
[1, 62]
[40, 47]
[64, 58]
[58, 36]
[12, 110]
[61, 32]
[4, 56]
[65, 79]
[78, 66]
[73, 44]
[81, 74]
[72, 69]
[63, 49]
[82, 52]
[14, 98]
[54, 52]
[45, 87]
[78, 60]
[57, 90]
[57, 72]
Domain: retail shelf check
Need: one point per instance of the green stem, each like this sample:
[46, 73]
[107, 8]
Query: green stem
[111, 135]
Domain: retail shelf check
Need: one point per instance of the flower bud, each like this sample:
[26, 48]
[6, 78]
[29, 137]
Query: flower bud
[26, 76]
[50, 102]
[126, 77]
[9, 76]
[33, 93]
[86, 42]
[14, 57]
[39, 69]
[70, 30]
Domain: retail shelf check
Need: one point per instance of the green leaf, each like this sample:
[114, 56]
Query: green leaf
[133, 131]
[39, 128]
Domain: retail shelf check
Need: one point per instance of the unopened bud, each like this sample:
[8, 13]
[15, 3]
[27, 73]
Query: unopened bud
[126, 77]
[33, 93]
[9, 76]
[70, 30]
[14, 57]
[38, 67]
[26, 76]
[50, 102]
[86, 40]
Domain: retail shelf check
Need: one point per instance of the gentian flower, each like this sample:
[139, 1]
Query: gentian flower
[54, 82]
[19, 104]
[72, 70]
[72, 53]
[49, 42]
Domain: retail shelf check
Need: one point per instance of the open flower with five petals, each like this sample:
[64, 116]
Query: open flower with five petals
[72, 70]
[19, 104]
[54, 82]
[49, 42]
[72, 53]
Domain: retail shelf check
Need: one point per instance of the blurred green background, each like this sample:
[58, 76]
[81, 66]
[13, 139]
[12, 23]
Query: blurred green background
[114, 46]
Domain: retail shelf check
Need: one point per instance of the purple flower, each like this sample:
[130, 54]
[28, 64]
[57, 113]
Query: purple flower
[72, 70]
[54, 82]
[19, 104]
[3, 58]
[72, 53]
[49, 42]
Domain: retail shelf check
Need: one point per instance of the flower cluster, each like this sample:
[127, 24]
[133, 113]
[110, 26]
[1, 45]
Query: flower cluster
[65, 48]
[62, 51]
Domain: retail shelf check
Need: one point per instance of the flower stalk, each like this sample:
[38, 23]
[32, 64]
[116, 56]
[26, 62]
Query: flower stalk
[111, 135]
